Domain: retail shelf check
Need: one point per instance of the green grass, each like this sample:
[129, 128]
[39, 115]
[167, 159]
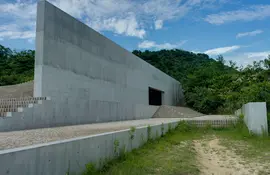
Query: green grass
[174, 153]
[171, 154]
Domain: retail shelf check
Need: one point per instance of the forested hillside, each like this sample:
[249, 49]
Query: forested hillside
[210, 86]
[16, 67]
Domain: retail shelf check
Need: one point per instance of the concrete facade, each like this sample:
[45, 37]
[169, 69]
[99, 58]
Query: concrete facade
[255, 117]
[71, 155]
[90, 78]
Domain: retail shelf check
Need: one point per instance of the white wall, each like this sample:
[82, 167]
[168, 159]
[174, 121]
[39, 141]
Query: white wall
[255, 117]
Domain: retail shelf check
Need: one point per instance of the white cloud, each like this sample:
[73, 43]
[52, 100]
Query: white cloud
[126, 26]
[222, 50]
[21, 17]
[252, 13]
[151, 44]
[253, 33]
[245, 59]
[14, 31]
[124, 17]
[158, 24]
[258, 55]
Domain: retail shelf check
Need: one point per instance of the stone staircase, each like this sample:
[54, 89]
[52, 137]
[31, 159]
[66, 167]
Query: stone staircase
[176, 112]
[10, 105]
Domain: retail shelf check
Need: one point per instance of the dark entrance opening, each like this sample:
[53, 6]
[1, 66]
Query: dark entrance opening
[155, 97]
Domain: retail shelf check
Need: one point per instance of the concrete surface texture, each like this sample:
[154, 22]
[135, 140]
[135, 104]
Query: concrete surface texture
[16, 139]
[255, 117]
[86, 73]
[17, 91]
[71, 155]
[166, 111]
[36, 136]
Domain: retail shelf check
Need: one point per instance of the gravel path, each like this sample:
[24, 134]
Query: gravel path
[16, 139]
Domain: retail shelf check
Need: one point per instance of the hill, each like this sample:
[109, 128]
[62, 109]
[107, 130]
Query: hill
[210, 86]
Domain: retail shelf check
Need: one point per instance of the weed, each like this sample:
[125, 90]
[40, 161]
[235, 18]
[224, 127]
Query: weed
[116, 146]
[207, 126]
[169, 128]
[122, 155]
[131, 132]
[89, 169]
[148, 132]
[184, 126]
[241, 116]
[162, 129]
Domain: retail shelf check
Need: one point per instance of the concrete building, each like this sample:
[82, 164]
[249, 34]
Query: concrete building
[89, 78]
[81, 70]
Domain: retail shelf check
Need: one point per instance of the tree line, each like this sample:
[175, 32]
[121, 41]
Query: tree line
[210, 85]
[16, 67]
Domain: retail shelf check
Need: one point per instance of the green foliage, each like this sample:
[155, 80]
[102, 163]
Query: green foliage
[132, 132]
[16, 67]
[209, 85]
[169, 127]
[207, 126]
[116, 146]
[90, 169]
[184, 126]
[149, 132]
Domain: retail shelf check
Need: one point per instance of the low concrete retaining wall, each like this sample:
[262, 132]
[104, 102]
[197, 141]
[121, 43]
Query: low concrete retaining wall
[71, 155]
[255, 117]
[47, 114]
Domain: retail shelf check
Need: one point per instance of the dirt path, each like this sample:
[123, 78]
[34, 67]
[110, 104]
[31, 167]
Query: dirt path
[218, 160]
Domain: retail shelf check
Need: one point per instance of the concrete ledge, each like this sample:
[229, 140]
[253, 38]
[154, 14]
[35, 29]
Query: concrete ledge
[72, 154]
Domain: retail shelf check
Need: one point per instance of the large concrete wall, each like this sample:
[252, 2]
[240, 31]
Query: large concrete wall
[58, 157]
[88, 76]
[255, 117]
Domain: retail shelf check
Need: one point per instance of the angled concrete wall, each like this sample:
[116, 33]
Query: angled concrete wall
[89, 76]
[56, 158]
[255, 117]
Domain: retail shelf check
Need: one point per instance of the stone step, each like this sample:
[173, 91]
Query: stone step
[14, 105]
[8, 110]
[17, 103]
[22, 99]
[3, 114]
[13, 109]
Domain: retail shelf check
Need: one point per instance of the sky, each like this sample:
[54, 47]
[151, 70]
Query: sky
[237, 29]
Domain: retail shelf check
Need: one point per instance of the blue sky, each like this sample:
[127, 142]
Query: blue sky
[237, 29]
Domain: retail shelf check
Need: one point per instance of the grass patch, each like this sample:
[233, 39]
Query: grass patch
[175, 154]
[172, 154]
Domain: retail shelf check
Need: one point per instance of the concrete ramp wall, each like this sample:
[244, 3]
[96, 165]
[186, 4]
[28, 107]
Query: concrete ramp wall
[17, 91]
[176, 112]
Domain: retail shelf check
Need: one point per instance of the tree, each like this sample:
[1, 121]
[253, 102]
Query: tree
[267, 62]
